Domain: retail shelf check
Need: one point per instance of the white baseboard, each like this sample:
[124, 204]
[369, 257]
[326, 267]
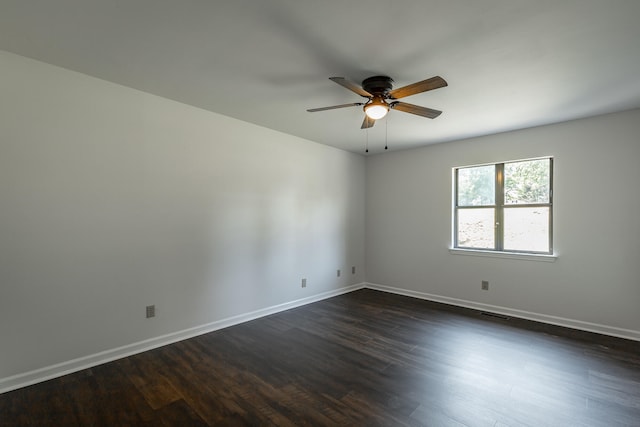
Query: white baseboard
[49, 372]
[43, 374]
[544, 318]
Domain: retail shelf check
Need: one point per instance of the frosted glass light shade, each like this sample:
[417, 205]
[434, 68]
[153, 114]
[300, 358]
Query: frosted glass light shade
[376, 111]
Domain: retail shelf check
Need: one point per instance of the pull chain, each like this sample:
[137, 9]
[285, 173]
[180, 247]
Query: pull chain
[386, 132]
[367, 142]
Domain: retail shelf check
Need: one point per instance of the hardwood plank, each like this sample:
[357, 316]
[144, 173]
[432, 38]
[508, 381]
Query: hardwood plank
[147, 375]
[178, 413]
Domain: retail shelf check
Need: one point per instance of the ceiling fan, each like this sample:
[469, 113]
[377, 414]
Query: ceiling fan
[382, 97]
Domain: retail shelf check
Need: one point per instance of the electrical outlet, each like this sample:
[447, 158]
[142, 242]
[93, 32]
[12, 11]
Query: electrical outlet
[304, 283]
[485, 285]
[338, 273]
[353, 270]
[151, 311]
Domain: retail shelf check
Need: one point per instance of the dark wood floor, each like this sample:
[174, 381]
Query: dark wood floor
[366, 359]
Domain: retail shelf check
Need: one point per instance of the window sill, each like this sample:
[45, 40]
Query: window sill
[508, 255]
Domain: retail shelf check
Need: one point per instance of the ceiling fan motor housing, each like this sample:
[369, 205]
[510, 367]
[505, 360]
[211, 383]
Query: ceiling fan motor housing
[378, 85]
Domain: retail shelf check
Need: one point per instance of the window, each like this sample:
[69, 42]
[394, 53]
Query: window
[504, 207]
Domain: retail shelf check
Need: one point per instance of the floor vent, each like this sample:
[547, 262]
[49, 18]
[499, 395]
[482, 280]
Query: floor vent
[496, 315]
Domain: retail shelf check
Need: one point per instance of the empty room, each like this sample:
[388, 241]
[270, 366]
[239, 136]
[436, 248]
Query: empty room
[356, 213]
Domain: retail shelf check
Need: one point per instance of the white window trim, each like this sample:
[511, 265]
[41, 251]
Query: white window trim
[502, 254]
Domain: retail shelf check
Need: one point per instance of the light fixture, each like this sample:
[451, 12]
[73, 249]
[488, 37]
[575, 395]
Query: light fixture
[376, 109]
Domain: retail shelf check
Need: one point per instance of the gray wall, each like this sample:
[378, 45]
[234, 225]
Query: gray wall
[113, 199]
[595, 281]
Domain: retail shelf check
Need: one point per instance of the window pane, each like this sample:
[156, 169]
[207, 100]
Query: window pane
[527, 182]
[476, 186]
[476, 228]
[526, 229]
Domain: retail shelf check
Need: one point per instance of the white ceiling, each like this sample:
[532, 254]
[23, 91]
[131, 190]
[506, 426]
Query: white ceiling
[510, 64]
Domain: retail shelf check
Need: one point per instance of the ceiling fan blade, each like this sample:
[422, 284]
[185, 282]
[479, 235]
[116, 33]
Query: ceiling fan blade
[419, 87]
[351, 86]
[367, 122]
[333, 107]
[415, 109]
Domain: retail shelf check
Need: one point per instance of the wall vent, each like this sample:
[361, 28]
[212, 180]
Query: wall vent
[496, 315]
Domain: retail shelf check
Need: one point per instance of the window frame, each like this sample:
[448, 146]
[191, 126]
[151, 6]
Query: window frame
[499, 208]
